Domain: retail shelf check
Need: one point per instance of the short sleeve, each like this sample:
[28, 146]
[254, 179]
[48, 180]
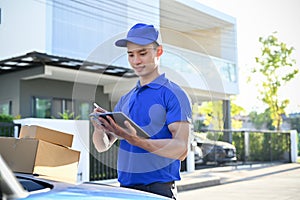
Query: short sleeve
[178, 106]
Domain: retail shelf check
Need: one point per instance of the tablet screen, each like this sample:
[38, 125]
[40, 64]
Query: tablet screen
[119, 118]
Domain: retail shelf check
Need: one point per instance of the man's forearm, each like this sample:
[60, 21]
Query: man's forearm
[103, 141]
[170, 148]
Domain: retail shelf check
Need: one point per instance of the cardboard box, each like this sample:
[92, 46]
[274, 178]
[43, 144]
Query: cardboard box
[46, 134]
[35, 156]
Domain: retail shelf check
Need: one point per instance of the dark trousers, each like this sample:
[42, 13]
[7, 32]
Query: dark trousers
[165, 189]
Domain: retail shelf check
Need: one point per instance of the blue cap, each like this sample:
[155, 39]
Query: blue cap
[141, 34]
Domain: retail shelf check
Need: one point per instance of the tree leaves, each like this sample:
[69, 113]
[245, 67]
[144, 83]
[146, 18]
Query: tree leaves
[276, 68]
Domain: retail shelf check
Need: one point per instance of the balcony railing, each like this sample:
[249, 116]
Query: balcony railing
[186, 61]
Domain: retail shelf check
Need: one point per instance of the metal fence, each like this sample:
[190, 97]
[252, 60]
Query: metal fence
[103, 165]
[9, 129]
[251, 146]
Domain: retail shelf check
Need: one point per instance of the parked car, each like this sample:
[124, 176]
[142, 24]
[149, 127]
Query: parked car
[218, 152]
[198, 155]
[27, 186]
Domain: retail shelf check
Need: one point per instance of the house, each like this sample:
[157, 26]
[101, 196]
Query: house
[58, 56]
[199, 42]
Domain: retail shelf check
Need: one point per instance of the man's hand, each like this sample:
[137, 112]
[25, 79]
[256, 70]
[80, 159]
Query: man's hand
[110, 125]
[102, 139]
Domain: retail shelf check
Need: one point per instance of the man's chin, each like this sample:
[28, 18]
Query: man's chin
[139, 72]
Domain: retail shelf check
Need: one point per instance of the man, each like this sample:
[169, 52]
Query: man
[161, 108]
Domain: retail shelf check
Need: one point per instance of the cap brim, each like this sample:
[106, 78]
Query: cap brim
[121, 43]
[135, 40]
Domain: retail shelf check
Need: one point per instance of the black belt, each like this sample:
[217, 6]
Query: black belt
[165, 189]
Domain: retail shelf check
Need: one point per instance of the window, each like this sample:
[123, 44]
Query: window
[84, 110]
[60, 106]
[54, 107]
[5, 107]
[42, 107]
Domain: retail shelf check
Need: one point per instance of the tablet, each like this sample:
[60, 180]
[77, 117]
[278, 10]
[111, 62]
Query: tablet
[119, 118]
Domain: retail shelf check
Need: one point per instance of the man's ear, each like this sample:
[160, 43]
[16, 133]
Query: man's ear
[159, 51]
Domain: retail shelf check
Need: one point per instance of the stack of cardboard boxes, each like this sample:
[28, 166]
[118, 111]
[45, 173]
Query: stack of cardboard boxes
[41, 151]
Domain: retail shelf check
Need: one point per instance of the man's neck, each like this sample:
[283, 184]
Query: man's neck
[144, 80]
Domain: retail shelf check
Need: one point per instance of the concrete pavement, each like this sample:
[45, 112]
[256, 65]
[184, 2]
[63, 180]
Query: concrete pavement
[221, 175]
[280, 182]
[228, 174]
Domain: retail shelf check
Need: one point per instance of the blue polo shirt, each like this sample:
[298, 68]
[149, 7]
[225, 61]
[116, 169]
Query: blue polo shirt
[153, 107]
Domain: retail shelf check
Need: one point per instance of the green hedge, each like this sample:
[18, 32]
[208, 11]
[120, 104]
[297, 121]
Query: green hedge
[7, 127]
[6, 118]
[263, 146]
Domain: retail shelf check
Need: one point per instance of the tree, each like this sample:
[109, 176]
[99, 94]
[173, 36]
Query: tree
[261, 120]
[211, 114]
[294, 120]
[276, 68]
[236, 113]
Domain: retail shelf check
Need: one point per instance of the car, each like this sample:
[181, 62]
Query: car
[218, 152]
[29, 186]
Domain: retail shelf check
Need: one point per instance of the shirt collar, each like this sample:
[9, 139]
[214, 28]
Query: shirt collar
[156, 83]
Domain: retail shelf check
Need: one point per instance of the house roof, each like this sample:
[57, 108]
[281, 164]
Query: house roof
[35, 59]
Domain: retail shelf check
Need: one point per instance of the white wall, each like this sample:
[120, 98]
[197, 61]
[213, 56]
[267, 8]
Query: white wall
[22, 28]
[78, 128]
[148, 12]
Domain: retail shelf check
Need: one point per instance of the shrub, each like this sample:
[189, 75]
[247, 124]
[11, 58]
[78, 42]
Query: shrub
[6, 118]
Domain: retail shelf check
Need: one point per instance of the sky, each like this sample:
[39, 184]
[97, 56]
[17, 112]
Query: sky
[260, 18]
